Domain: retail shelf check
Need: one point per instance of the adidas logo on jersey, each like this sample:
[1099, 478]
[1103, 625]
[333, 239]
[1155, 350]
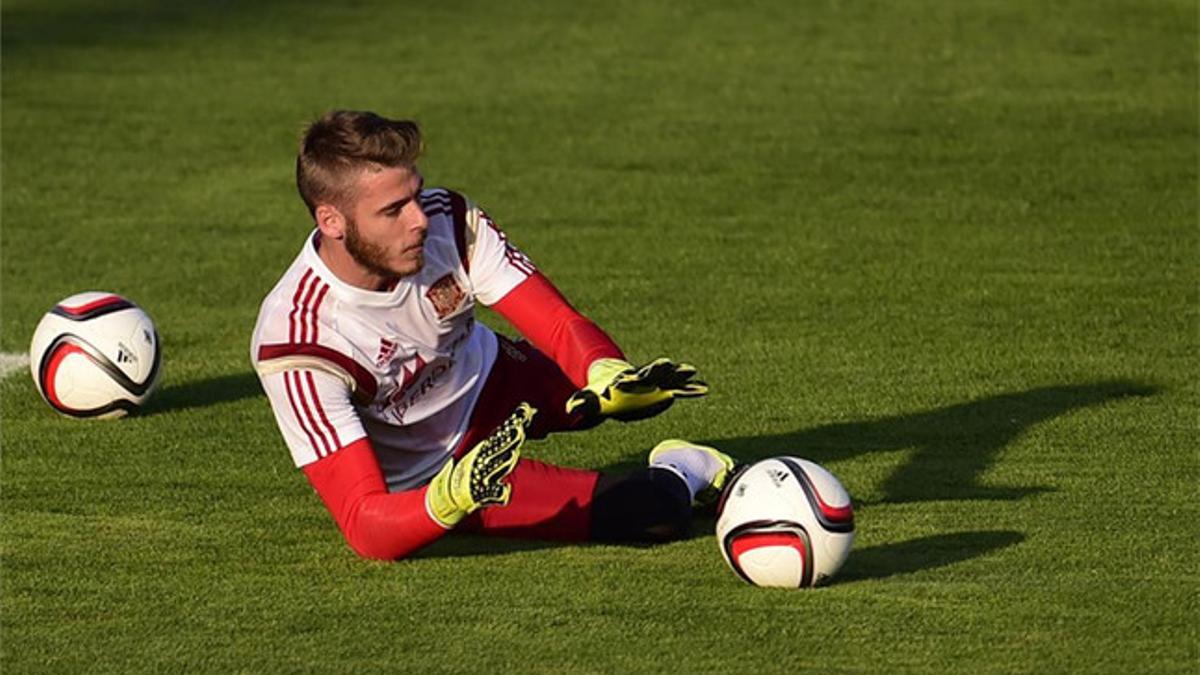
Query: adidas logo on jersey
[387, 349]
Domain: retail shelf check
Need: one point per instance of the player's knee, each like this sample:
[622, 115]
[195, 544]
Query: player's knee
[650, 505]
[670, 528]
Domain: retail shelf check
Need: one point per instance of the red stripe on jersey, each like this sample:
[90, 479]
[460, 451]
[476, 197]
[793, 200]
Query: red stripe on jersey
[312, 419]
[516, 258]
[312, 389]
[363, 378]
[317, 306]
[94, 305]
[304, 309]
[287, 381]
[458, 209]
[296, 305]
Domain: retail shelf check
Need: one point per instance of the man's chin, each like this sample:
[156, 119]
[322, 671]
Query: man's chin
[409, 267]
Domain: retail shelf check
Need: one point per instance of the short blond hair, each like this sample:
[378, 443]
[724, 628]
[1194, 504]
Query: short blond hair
[340, 144]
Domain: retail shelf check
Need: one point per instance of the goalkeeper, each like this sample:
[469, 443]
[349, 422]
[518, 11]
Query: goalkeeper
[407, 416]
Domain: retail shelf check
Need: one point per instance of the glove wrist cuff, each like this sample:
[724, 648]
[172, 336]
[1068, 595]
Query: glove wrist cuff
[439, 503]
[602, 371]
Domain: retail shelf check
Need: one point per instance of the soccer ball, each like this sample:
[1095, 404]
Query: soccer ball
[95, 355]
[785, 522]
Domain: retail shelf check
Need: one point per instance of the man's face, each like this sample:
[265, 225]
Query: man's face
[385, 229]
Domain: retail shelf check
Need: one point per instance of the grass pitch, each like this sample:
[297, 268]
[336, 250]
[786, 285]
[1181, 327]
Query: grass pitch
[947, 249]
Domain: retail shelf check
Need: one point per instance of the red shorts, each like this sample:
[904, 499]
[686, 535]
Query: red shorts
[548, 502]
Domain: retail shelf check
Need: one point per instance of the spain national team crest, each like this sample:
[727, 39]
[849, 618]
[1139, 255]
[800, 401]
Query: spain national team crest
[446, 296]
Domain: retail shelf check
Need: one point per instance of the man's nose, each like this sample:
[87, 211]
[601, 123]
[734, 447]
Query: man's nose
[420, 222]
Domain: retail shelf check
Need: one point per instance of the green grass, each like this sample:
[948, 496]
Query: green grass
[947, 249]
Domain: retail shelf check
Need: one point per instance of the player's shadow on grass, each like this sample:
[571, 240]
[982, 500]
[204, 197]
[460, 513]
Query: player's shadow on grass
[915, 555]
[951, 447]
[203, 393]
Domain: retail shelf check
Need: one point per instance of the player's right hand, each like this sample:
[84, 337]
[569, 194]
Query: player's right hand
[618, 390]
[477, 478]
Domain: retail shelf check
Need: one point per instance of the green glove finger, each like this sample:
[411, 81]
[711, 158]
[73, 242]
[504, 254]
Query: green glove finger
[584, 402]
[629, 381]
[676, 380]
[657, 370]
[643, 413]
[497, 494]
[488, 491]
[644, 379]
[677, 370]
[661, 374]
[496, 468]
[694, 389]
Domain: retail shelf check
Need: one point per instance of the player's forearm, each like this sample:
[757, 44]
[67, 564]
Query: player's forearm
[376, 524]
[546, 319]
[391, 526]
[575, 344]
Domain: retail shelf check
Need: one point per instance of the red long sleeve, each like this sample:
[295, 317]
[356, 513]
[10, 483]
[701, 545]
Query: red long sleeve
[376, 523]
[546, 319]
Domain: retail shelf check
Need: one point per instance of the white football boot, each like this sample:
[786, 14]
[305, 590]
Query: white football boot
[705, 469]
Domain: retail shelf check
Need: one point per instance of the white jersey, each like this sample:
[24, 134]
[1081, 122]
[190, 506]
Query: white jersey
[403, 367]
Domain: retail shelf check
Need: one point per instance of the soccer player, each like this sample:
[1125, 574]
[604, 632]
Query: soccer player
[408, 416]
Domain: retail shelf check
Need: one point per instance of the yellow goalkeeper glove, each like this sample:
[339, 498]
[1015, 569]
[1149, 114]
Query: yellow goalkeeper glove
[618, 390]
[477, 479]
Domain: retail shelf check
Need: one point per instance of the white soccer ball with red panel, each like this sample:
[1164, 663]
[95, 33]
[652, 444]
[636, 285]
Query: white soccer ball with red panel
[785, 522]
[95, 355]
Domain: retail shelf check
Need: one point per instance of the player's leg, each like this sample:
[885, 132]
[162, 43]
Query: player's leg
[556, 503]
[547, 502]
[523, 374]
[648, 505]
[656, 503]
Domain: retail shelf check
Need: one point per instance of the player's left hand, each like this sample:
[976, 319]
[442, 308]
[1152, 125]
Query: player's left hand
[477, 479]
[618, 390]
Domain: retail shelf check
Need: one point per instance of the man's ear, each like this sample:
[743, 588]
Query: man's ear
[330, 221]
